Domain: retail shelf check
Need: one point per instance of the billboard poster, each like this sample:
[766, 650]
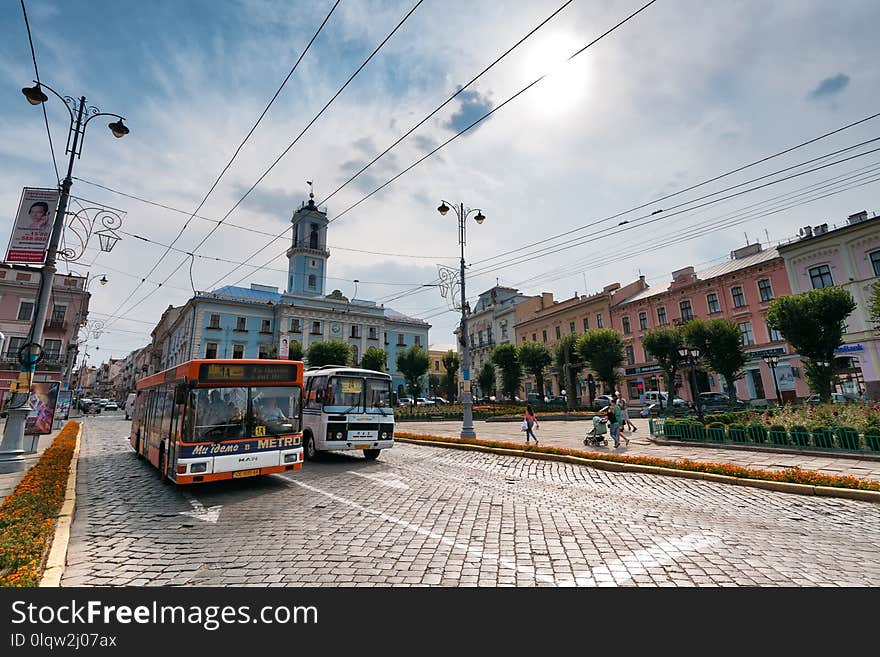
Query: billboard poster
[33, 226]
[62, 407]
[42, 402]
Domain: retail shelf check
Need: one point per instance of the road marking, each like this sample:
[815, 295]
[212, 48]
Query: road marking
[391, 483]
[200, 512]
[614, 573]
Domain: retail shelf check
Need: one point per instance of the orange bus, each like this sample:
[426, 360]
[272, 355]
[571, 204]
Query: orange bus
[212, 419]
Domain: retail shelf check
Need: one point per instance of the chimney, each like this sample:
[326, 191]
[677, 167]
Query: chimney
[857, 217]
[546, 299]
[745, 251]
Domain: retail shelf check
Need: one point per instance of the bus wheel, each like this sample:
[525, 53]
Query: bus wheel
[371, 454]
[309, 449]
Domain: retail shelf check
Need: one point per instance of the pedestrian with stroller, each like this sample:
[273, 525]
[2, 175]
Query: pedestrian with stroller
[613, 417]
[531, 423]
[624, 414]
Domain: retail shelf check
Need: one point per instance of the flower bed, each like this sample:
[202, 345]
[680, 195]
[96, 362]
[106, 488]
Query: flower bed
[27, 515]
[791, 475]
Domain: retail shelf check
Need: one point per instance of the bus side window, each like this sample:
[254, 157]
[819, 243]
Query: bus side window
[316, 391]
[166, 402]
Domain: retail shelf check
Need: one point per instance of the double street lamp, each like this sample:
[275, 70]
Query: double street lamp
[772, 361]
[467, 426]
[690, 355]
[11, 452]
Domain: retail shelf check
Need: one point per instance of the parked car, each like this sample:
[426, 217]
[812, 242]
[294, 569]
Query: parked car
[111, 406]
[405, 401]
[655, 397]
[103, 401]
[604, 400]
[421, 401]
[556, 399]
[718, 401]
[836, 398]
[438, 400]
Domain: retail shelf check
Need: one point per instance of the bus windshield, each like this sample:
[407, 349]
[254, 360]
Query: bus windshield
[378, 393]
[347, 393]
[231, 413]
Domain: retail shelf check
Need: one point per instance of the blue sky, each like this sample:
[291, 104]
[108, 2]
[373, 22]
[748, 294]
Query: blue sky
[684, 91]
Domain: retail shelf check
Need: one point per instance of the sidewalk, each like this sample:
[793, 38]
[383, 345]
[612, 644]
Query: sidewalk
[10, 480]
[570, 435]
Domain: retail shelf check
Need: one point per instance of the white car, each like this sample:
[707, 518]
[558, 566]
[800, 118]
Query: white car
[111, 406]
[404, 401]
[421, 401]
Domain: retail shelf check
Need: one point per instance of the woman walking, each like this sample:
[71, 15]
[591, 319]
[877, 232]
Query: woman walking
[624, 413]
[613, 415]
[531, 422]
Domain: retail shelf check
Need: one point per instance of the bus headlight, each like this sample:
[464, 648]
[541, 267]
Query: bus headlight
[338, 435]
[291, 458]
[198, 467]
[384, 435]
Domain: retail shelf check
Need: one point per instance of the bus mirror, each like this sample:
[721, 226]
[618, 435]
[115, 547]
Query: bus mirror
[180, 393]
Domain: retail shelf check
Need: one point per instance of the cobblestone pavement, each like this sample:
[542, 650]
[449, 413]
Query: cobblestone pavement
[423, 516]
[571, 434]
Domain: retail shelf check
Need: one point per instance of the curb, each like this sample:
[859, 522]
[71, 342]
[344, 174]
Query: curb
[858, 456]
[58, 553]
[613, 466]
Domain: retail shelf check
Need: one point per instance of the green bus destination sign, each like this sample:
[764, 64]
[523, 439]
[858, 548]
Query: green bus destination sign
[256, 372]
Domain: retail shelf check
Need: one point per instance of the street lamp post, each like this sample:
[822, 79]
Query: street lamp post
[691, 354]
[467, 426]
[11, 452]
[773, 361]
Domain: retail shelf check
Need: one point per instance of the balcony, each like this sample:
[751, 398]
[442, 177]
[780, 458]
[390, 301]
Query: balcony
[309, 250]
[213, 327]
[55, 324]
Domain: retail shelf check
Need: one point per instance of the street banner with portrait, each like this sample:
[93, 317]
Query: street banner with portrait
[42, 400]
[33, 226]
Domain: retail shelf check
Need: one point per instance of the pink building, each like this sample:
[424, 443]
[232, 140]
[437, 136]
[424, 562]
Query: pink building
[740, 290]
[68, 307]
[847, 256]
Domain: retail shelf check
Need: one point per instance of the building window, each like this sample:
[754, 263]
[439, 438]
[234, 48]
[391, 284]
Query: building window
[313, 264]
[436, 365]
[25, 310]
[313, 282]
[712, 302]
[266, 326]
[571, 326]
[401, 340]
[643, 320]
[480, 334]
[558, 332]
[238, 351]
[626, 327]
[241, 324]
[875, 262]
[417, 340]
[504, 330]
[599, 322]
[686, 310]
[372, 333]
[739, 299]
[313, 236]
[316, 328]
[630, 355]
[765, 289]
[14, 345]
[661, 316]
[748, 336]
[264, 350]
[544, 334]
[295, 326]
[355, 331]
[355, 355]
[821, 276]
[58, 312]
[534, 337]
[52, 350]
[586, 323]
[775, 336]
[214, 321]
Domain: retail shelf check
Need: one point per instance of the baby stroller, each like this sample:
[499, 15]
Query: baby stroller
[596, 435]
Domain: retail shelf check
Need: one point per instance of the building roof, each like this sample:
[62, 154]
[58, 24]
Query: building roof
[395, 316]
[441, 347]
[248, 294]
[727, 267]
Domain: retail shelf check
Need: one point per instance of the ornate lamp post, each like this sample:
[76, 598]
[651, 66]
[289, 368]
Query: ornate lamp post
[691, 354]
[773, 361]
[11, 459]
[467, 427]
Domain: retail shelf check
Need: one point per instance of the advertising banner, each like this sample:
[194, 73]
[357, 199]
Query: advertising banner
[33, 226]
[44, 394]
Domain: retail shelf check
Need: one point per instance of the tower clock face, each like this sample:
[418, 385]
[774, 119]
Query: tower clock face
[336, 328]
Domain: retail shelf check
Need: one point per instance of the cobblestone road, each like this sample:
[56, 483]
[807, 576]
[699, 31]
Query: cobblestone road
[422, 516]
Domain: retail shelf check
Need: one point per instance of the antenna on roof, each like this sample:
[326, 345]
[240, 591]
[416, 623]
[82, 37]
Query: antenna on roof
[747, 237]
[767, 235]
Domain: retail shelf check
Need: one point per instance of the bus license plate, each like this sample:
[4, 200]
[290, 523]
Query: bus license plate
[360, 435]
[245, 473]
[362, 447]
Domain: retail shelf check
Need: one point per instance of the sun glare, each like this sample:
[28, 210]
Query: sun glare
[565, 84]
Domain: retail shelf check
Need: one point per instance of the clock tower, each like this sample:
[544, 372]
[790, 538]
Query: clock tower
[308, 254]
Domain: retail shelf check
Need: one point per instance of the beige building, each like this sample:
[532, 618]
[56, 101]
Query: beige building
[543, 319]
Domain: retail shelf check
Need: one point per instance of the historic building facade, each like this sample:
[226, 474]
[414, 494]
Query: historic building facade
[847, 256]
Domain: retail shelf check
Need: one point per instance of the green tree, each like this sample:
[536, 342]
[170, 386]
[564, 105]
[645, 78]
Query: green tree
[294, 350]
[413, 364]
[721, 348]
[487, 379]
[565, 362]
[603, 350]
[663, 344]
[506, 359]
[535, 358]
[874, 305]
[331, 352]
[451, 362]
[375, 359]
[812, 322]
